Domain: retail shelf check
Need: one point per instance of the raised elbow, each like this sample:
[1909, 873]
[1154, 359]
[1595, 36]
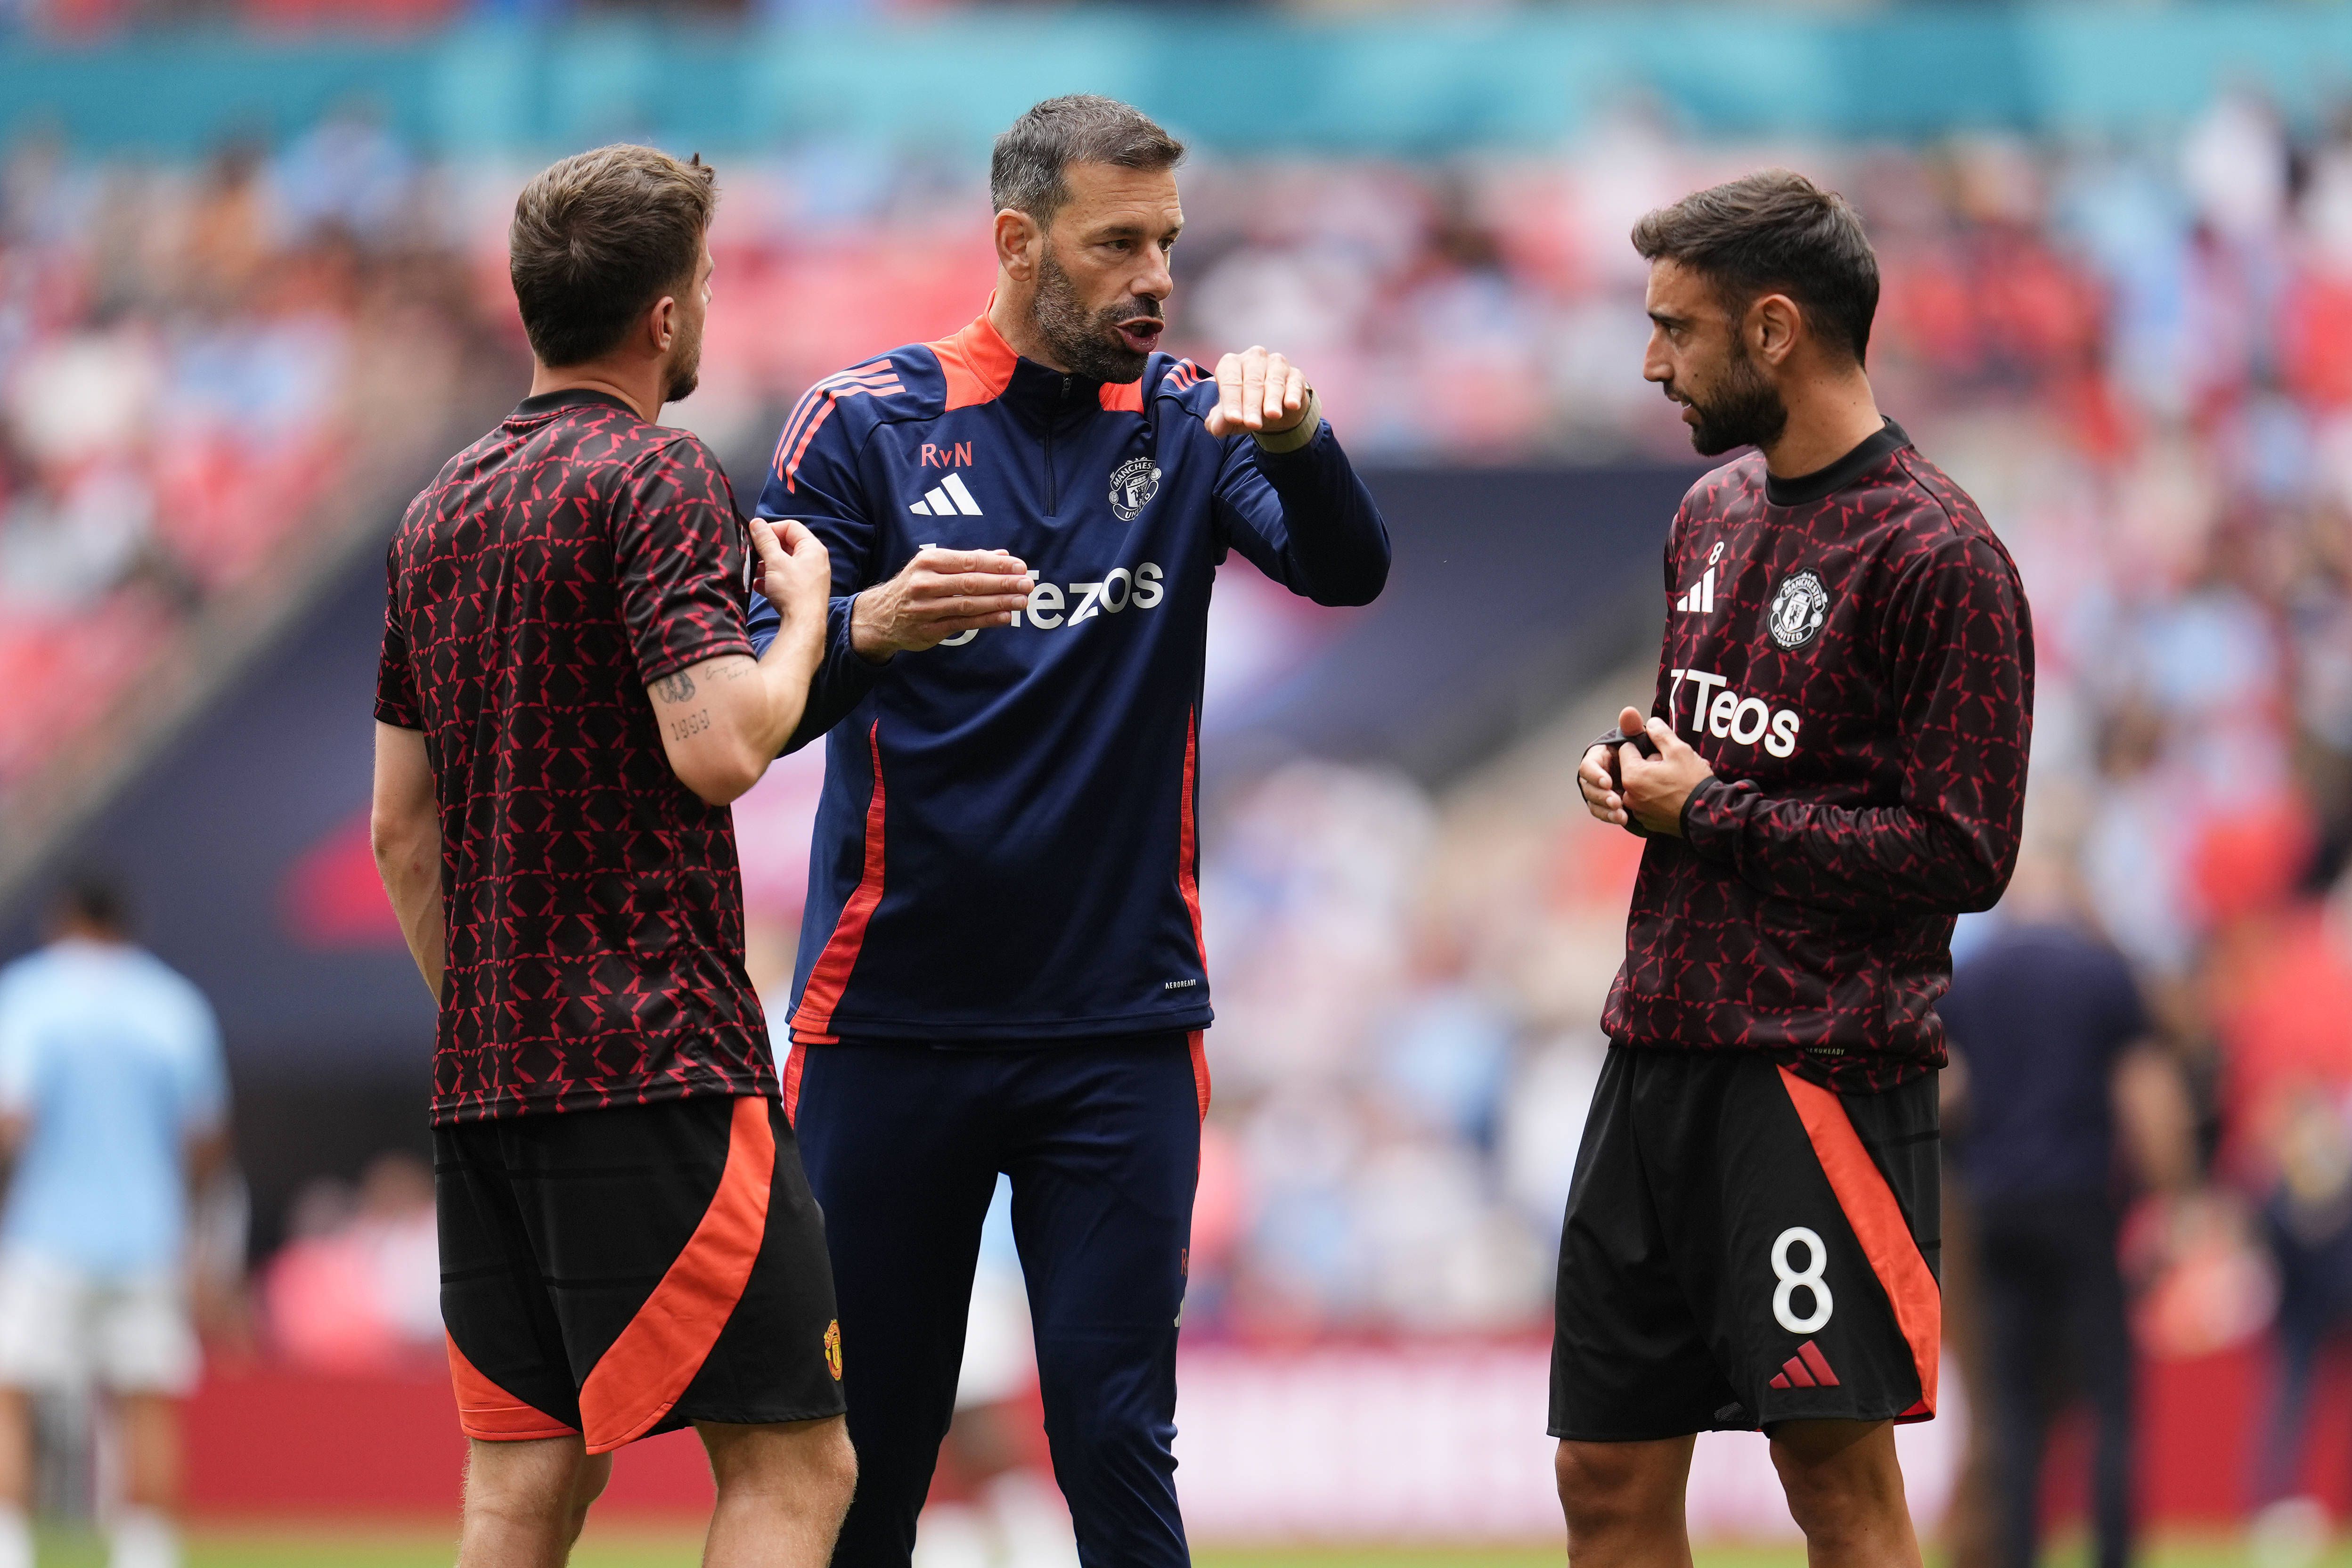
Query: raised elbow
[1982, 889]
[730, 790]
[719, 776]
[1976, 898]
[1354, 589]
[1981, 868]
[718, 786]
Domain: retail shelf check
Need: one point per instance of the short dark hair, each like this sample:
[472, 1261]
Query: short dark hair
[597, 238]
[1025, 174]
[92, 898]
[1775, 231]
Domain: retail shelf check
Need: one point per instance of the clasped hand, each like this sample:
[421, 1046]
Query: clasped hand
[795, 572]
[1648, 790]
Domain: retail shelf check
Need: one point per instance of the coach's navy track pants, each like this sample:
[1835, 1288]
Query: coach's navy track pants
[1101, 1139]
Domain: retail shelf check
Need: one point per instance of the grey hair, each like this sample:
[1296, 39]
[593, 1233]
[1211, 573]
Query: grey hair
[1025, 174]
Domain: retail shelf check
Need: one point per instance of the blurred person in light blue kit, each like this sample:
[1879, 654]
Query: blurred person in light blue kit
[112, 1113]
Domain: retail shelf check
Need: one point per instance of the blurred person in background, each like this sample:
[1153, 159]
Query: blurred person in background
[1001, 970]
[113, 1120]
[2287, 1037]
[2306, 1219]
[357, 1288]
[2052, 1060]
[565, 705]
[1750, 1238]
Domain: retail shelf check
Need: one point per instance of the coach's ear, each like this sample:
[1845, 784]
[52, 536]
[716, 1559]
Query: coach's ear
[1019, 243]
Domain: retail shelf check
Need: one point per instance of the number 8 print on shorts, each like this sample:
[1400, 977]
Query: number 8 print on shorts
[1744, 1247]
[1875, 1223]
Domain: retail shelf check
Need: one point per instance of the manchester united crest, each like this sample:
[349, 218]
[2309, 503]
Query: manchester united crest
[1132, 485]
[1798, 610]
[833, 1348]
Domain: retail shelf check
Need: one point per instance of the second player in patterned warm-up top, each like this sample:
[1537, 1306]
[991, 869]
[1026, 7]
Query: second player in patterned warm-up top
[566, 707]
[596, 938]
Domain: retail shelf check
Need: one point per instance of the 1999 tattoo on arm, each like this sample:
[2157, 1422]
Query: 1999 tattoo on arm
[678, 688]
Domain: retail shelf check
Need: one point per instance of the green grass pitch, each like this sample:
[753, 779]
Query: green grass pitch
[624, 1547]
[636, 1548]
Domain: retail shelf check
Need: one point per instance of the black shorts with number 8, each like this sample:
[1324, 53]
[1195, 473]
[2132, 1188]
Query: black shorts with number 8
[1743, 1247]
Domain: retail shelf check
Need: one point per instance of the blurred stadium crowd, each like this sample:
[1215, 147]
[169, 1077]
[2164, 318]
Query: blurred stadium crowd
[193, 360]
[2138, 358]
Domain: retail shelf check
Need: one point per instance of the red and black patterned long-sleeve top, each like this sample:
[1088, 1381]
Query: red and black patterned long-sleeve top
[557, 567]
[1852, 653]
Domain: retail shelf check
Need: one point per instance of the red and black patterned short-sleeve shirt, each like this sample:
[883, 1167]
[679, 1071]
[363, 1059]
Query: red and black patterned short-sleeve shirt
[1853, 654]
[595, 909]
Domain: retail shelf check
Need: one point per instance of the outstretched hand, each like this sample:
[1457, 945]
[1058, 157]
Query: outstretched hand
[1648, 790]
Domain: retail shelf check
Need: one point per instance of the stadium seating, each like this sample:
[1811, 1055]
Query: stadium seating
[188, 364]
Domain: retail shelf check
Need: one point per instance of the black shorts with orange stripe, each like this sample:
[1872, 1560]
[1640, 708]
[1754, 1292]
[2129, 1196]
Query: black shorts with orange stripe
[622, 1272]
[1744, 1248]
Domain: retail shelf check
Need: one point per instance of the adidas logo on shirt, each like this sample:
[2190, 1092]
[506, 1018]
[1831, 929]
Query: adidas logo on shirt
[946, 499]
[1700, 600]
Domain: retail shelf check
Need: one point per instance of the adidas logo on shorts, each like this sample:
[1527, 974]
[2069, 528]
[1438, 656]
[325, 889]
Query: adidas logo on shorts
[1807, 1369]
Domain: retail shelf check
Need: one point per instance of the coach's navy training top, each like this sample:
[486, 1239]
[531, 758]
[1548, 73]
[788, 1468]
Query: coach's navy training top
[1006, 847]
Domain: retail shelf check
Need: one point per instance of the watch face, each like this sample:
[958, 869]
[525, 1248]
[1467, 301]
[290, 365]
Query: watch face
[1798, 610]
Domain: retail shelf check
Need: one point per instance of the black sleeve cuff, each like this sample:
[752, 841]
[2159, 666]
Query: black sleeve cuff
[1712, 814]
[841, 680]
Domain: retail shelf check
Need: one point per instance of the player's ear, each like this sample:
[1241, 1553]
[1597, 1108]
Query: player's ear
[1019, 239]
[1773, 323]
[661, 325]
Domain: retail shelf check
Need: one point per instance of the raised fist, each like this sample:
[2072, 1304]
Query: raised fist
[1260, 392]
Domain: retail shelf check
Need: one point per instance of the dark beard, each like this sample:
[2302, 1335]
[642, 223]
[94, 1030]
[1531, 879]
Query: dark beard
[1745, 410]
[686, 374]
[1090, 345]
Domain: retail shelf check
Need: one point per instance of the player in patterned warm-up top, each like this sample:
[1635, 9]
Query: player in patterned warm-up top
[1854, 661]
[1833, 767]
[566, 704]
[1000, 964]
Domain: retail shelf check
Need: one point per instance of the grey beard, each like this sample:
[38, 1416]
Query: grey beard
[1089, 345]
